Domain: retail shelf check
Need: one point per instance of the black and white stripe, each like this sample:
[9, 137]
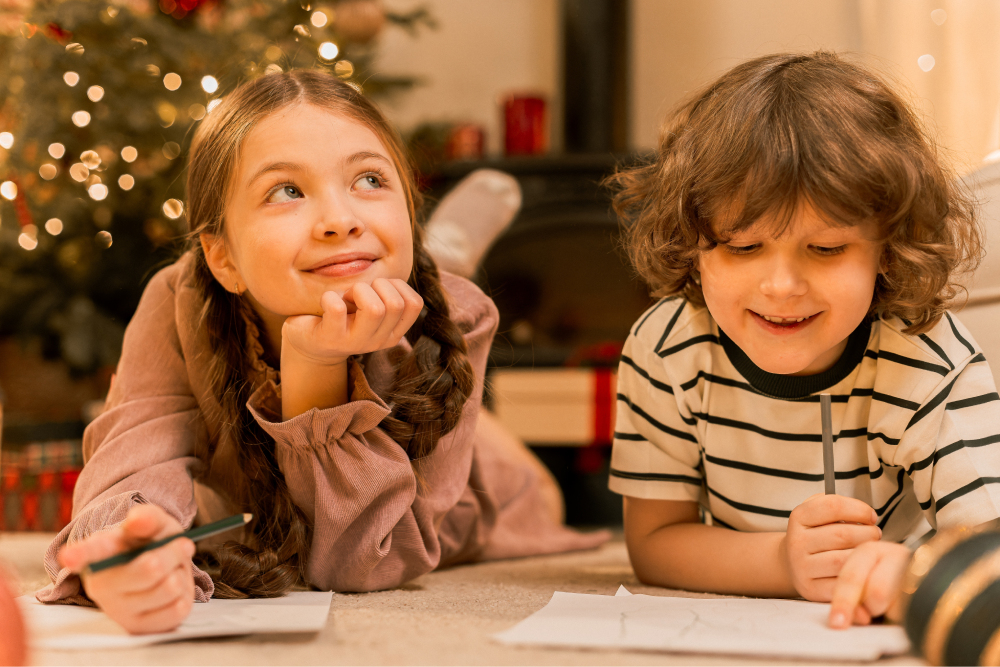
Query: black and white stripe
[916, 427]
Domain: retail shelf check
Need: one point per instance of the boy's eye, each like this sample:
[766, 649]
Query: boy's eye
[741, 249]
[829, 250]
[369, 182]
[284, 193]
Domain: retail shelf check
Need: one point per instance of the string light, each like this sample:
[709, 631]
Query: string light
[26, 241]
[6, 139]
[48, 171]
[328, 50]
[209, 84]
[343, 68]
[172, 81]
[126, 182]
[98, 191]
[79, 172]
[173, 208]
[318, 19]
[129, 154]
[54, 226]
[9, 190]
[91, 159]
[95, 93]
[71, 78]
[81, 118]
[57, 150]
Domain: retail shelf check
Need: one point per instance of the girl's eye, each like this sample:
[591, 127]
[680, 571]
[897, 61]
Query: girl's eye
[369, 182]
[284, 193]
[834, 250]
[741, 249]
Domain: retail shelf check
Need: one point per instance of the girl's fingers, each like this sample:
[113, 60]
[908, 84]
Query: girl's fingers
[167, 590]
[145, 523]
[152, 568]
[394, 304]
[368, 317]
[413, 304]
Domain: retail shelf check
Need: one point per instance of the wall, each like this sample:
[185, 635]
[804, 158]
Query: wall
[485, 48]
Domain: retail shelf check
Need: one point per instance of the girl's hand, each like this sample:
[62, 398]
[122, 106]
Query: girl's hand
[868, 585]
[154, 592]
[822, 532]
[384, 312]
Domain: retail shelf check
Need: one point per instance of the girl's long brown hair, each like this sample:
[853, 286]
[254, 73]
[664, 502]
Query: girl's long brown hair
[784, 129]
[431, 385]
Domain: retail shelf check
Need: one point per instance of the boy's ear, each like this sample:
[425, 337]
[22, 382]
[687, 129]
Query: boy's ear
[219, 263]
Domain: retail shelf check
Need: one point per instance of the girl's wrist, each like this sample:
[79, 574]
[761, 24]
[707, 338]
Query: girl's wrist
[307, 383]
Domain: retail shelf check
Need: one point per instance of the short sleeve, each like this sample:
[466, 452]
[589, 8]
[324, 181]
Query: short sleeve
[656, 453]
[951, 449]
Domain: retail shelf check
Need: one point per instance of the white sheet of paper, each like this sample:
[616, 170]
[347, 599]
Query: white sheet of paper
[69, 627]
[733, 626]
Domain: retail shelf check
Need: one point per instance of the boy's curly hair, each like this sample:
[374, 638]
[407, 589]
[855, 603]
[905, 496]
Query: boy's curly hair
[786, 129]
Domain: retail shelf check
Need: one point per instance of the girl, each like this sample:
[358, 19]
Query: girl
[804, 237]
[370, 462]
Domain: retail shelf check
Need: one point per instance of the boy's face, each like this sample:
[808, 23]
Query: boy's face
[791, 302]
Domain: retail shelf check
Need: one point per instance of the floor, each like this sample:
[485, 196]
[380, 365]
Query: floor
[442, 618]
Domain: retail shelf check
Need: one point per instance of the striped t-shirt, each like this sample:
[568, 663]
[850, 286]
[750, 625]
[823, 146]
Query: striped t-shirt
[916, 423]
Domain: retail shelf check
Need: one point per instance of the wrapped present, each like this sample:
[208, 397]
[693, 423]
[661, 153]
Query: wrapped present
[36, 485]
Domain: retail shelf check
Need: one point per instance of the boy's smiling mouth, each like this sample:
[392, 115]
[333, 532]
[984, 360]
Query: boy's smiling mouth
[778, 323]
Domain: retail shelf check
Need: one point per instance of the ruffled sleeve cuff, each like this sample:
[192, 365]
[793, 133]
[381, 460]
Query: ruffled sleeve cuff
[363, 412]
[66, 587]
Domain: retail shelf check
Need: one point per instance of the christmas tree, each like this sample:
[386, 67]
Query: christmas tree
[98, 101]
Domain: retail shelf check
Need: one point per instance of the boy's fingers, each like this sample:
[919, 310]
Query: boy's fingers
[850, 587]
[821, 510]
[836, 536]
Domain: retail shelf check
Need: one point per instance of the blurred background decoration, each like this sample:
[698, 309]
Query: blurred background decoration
[98, 100]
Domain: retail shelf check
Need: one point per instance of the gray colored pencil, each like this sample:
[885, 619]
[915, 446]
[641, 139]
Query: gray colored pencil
[829, 472]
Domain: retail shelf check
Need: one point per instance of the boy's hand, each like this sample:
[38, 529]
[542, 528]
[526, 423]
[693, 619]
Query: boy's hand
[868, 585]
[822, 531]
[384, 312]
[154, 592]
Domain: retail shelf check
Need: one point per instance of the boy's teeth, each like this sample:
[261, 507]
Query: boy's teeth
[783, 320]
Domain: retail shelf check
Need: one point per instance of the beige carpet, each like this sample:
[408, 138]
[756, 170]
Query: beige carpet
[443, 618]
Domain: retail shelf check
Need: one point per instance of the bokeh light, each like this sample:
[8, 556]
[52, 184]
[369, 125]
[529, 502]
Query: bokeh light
[79, 172]
[95, 93]
[91, 159]
[939, 16]
[126, 182]
[54, 226]
[103, 239]
[81, 118]
[98, 191]
[173, 208]
[318, 19]
[197, 111]
[328, 50]
[57, 150]
[9, 190]
[48, 171]
[26, 241]
[129, 154]
[71, 78]
[172, 81]
[6, 139]
[926, 62]
[209, 84]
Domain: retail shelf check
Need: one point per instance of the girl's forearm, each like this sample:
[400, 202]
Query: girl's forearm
[306, 385]
[697, 557]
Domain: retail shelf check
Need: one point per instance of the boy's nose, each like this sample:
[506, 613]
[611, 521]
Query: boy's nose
[784, 278]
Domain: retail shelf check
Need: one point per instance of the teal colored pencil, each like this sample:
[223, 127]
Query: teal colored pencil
[195, 534]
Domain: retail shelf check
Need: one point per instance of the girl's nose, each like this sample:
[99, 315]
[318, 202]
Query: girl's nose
[784, 278]
[337, 219]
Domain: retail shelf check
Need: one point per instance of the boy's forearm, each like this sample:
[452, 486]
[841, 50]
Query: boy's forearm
[694, 556]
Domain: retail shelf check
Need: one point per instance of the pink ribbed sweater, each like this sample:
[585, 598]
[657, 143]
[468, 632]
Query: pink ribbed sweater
[160, 441]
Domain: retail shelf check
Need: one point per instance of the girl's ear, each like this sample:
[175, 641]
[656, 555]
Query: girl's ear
[219, 263]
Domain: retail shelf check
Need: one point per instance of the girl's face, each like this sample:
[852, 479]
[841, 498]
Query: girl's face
[791, 302]
[316, 204]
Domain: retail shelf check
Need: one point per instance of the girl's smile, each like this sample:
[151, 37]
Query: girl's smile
[790, 302]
